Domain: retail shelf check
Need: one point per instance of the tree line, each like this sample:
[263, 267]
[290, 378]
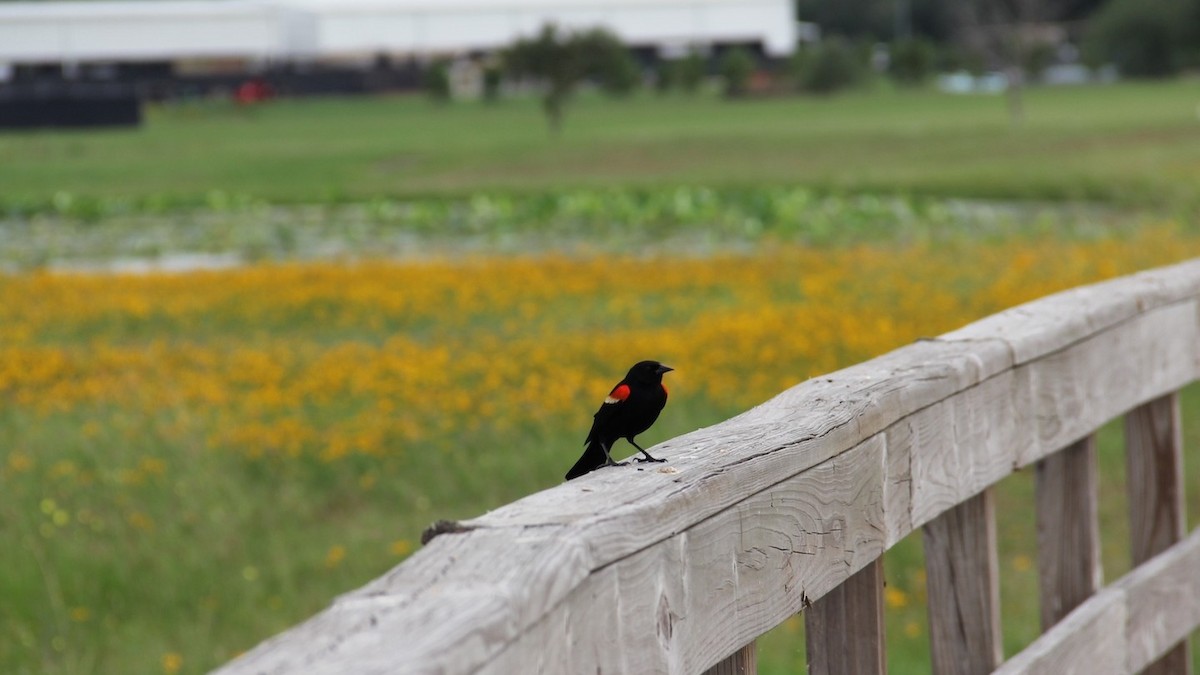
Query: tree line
[906, 40]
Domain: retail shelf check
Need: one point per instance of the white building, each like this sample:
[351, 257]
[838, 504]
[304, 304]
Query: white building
[174, 30]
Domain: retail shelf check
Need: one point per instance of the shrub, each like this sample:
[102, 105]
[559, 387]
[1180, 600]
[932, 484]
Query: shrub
[1037, 58]
[832, 65]
[493, 78]
[606, 60]
[619, 74]
[691, 70]
[1143, 38]
[912, 61]
[666, 76]
[737, 65]
[437, 81]
[686, 74]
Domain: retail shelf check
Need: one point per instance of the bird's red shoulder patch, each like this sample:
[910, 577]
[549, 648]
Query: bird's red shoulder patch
[618, 394]
[665, 392]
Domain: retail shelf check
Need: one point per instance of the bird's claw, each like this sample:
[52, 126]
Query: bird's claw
[648, 460]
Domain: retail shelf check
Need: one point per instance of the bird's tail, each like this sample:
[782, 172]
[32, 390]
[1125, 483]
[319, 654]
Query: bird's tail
[593, 458]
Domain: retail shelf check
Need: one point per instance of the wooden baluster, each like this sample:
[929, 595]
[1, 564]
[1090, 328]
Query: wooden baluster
[742, 662]
[844, 628]
[964, 590]
[1154, 461]
[1068, 531]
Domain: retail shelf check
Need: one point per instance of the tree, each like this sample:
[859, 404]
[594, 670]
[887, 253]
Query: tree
[551, 59]
[606, 60]
[1144, 38]
[890, 20]
[876, 20]
[1005, 31]
[559, 61]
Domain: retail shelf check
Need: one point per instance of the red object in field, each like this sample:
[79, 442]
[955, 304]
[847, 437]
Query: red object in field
[256, 90]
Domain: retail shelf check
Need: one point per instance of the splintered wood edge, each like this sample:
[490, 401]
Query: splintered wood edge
[934, 423]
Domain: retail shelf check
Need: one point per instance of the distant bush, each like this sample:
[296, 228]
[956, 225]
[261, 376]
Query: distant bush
[493, 78]
[1144, 38]
[827, 67]
[912, 61]
[666, 76]
[606, 60]
[437, 81]
[686, 74]
[952, 58]
[737, 65]
[1037, 58]
[692, 69]
[620, 75]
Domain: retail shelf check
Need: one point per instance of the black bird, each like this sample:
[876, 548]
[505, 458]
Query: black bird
[631, 407]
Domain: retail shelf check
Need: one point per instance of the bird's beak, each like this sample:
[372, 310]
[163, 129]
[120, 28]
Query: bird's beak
[664, 369]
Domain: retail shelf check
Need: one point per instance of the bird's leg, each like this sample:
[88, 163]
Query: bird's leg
[609, 458]
[648, 457]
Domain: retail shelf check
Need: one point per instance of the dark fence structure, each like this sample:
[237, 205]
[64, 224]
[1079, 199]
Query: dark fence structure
[113, 96]
[69, 104]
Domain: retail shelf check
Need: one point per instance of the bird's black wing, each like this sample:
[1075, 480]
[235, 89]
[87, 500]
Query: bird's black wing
[602, 429]
[603, 419]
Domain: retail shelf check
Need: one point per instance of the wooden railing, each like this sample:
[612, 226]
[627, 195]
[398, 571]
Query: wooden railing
[788, 507]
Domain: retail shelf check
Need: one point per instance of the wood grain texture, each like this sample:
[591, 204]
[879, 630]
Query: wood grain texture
[1154, 461]
[1127, 626]
[715, 587]
[964, 589]
[1089, 641]
[1163, 600]
[672, 568]
[1068, 529]
[1107, 374]
[844, 629]
[742, 662]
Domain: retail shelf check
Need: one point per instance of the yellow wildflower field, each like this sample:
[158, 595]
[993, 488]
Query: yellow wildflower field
[192, 461]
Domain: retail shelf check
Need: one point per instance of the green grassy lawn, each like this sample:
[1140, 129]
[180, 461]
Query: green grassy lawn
[1137, 143]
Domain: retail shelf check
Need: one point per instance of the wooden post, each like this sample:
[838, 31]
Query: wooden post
[1154, 461]
[964, 588]
[742, 662]
[844, 629]
[1068, 531]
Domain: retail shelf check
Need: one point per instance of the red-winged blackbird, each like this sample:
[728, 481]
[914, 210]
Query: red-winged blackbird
[631, 407]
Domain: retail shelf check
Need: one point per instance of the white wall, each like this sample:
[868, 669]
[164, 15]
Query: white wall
[177, 29]
[60, 31]
[456, 26]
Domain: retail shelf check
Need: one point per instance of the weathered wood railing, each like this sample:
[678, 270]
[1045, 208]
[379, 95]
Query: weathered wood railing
[788, 507]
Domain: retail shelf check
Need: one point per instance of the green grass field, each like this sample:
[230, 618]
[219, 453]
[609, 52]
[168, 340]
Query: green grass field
[1134, 143]
[189, 464]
